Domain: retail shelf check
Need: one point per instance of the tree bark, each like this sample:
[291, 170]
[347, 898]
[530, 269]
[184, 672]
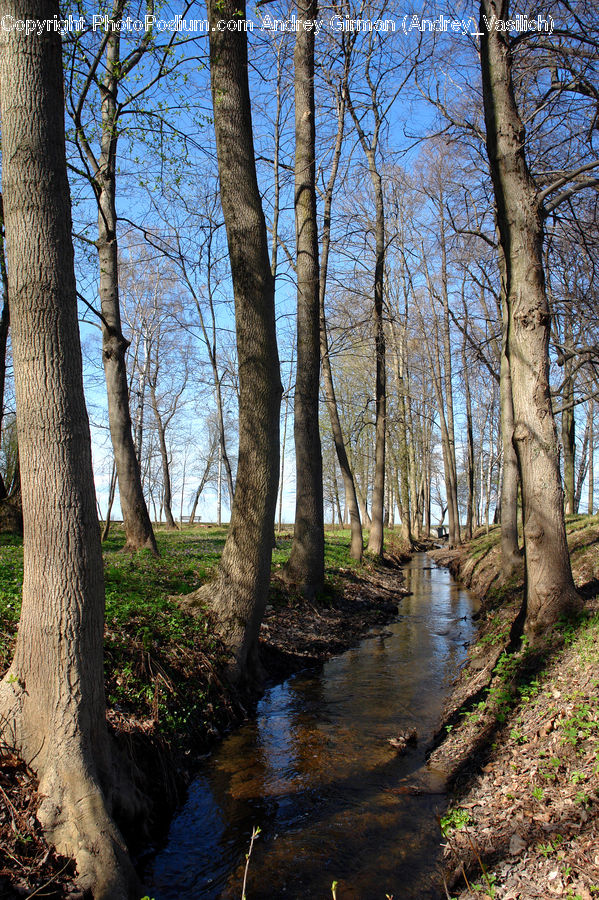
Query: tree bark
[52, 699]
[511, 555]
[167, 494]
[351, 500]
[136, 519]
[4, 328]
[238, 595]
[568, 423]
[376, 536]
[550, 590]
[306, 561]
[591, 458]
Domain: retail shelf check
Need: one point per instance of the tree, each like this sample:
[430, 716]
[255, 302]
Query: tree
[550, 590]
[351, 500]
[306, 561]
[52, 698]
[370, 104]
[370, 147]
[238, 594]
[101, 168]
[161, 359]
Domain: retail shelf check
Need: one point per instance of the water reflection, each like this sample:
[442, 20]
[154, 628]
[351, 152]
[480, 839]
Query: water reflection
[315, 771]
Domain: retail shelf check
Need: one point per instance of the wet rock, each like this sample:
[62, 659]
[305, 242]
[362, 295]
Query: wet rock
[403, 738]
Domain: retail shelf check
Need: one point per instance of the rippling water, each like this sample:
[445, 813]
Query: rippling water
[314, 770]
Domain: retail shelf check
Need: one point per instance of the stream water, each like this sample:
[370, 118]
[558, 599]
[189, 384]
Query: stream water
[314, 770]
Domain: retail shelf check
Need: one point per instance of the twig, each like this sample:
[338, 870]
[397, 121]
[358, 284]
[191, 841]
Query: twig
[54, 877]
[255, 833]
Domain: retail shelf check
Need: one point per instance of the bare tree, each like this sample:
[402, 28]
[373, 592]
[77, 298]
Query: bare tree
[238, 595]
[351, 500]
[305, 566]
[550, 590]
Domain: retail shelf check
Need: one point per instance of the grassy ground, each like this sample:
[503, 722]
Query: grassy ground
[166, 700]
[161, 664]
[522, 741]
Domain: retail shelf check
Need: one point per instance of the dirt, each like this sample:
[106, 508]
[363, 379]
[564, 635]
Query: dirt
[301, 634]
[295, 634]
[520, 742]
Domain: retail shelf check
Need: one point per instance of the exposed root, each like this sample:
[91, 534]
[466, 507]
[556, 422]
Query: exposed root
[76, 821]
[75, 812]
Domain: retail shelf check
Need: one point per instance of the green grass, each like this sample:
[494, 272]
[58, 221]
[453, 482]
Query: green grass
[161, 664]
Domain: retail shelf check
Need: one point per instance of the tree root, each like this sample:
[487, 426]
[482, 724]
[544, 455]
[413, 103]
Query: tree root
[79, 777]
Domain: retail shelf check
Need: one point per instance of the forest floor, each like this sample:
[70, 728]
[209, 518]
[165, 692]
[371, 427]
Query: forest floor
[520, 740]
[167, 702]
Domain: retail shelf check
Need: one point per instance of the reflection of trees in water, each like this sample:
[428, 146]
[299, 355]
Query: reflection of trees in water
[316, 773]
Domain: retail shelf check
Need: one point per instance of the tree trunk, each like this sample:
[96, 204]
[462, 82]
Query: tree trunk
[4, 327]
[376, 536]
[351, 500]
[167, 496]
[470, 446]
[138, 528]
[550, 590]
[455, 536]
[591, 458]
[306, 561]
[111, 493]
[568, 425]
[284, 444]
[238, 595]
[511, 555]
[52, 699]
[583, 467]
[11, 519]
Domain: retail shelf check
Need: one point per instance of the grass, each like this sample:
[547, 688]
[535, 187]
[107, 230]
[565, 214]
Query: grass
[161, 664]
[537, 725]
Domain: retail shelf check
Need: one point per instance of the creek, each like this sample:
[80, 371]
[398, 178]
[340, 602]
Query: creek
[314, 769]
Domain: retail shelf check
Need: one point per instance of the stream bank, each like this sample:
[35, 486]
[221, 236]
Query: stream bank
[332, 770]
[520, 740]
[156, 656]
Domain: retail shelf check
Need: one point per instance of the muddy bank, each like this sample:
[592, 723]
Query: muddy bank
[298, 634]
[520, 741]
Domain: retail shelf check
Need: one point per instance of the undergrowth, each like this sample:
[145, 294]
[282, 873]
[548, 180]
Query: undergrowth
[161, 664]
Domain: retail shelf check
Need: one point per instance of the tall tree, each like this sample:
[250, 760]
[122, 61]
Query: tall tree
[238, 595]
[306, 561]
[101, 168]
[351, 500]
[550, 590]
[52, 699]
[370, 146]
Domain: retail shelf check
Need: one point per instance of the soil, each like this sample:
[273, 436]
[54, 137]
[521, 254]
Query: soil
[520, 741]
[295, 634]
[301, 634]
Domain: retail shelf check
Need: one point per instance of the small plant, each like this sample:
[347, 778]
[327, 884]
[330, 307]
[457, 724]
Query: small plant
[537, 793]
[455, 820]
[255, 833]
[546, 849]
